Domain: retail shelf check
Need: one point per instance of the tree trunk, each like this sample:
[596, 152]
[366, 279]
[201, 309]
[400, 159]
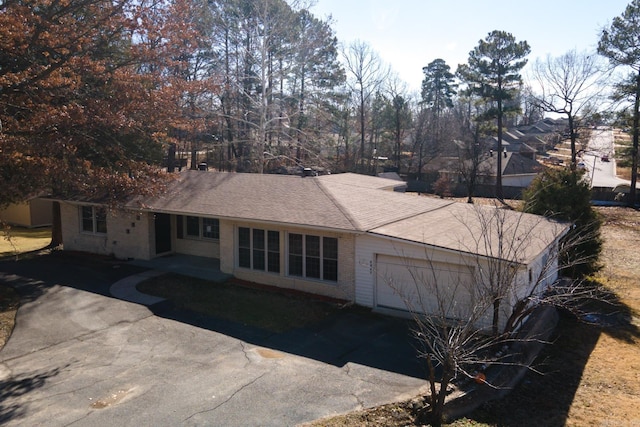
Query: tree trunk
[634, 152]
[499, 193]
[572, 134]
[496, 316]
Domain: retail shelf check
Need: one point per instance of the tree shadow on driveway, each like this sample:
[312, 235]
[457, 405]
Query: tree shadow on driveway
[17, 386]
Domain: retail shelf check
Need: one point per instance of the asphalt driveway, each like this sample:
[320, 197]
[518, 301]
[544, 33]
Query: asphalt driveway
[79, 356]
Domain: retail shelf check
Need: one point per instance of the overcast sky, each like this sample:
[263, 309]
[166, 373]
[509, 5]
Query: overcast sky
[409, 34]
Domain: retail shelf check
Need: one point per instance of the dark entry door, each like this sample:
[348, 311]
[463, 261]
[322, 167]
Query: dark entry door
[163, 233]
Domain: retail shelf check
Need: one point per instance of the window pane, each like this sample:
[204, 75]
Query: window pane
[193, 226]
[244, 247]
[330, 270]
[312, 252]
[244, 257]
[274, 241]
[330, 248]
[180, 226]
[87, 219]
[295, 254]
[312, 246]
[258, 259]
[210, 228]
[101, 220]
[313, 267]
[295, 244]
[295, 265]
[258, 238]
[330, 259]
[273, 254]
[273, 262]
[244, 237]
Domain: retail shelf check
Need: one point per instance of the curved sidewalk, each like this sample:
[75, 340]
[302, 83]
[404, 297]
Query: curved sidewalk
[125, 289]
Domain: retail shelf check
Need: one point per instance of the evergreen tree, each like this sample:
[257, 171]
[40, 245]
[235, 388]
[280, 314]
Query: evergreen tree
[565, 195]
[619, 43]
[493, 73]
[438, 86]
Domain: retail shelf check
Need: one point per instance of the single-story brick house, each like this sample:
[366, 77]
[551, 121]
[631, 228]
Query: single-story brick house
[345, 236]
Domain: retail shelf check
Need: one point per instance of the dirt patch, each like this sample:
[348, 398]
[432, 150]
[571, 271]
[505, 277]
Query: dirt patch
[110, 400]
[267, 353]
[9, 302]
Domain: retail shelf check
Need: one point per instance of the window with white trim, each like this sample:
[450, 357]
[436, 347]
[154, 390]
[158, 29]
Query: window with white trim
[259, 249]
[195, 227]
[313, 256]
[93, 219]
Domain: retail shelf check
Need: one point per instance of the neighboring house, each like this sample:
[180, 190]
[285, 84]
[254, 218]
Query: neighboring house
[345, 236]
[518, 170]
[34, 212]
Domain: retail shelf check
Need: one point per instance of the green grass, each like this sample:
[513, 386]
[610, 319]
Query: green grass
[17, 240]
[269, 310]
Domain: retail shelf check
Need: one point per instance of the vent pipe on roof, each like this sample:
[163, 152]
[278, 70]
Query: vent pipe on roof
[505, 153]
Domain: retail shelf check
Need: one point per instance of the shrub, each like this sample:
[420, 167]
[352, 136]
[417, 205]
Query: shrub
[565, 195]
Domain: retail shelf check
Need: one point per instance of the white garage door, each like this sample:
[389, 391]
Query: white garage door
[418, 285]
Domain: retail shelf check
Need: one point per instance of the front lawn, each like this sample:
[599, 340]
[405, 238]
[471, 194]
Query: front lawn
[266, 309]
[17, 240]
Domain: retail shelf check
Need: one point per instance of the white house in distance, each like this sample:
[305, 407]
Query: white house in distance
[345, 236]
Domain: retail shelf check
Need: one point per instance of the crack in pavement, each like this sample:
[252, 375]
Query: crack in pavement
[227, 399]
[80, 338]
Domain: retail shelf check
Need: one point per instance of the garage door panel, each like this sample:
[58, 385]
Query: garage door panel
[418, 285]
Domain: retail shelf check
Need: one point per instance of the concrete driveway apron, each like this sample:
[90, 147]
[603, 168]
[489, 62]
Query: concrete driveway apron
[78, 356]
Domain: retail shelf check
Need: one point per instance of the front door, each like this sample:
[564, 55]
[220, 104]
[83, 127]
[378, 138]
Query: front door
[163, 233]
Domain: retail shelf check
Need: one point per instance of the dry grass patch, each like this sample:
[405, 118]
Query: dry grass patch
[610, 387]
[623, 172]
[17, 240]
[620, 137]
[9, 302]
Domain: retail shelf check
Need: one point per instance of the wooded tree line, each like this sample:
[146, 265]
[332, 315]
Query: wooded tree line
[93, 93]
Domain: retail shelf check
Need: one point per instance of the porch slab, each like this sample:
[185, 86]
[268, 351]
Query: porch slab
[187, 265]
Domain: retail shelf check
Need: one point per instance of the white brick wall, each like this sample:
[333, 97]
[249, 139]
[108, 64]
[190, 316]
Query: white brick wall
[128, 234]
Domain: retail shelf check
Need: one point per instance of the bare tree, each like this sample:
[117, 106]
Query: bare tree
[398, 92]
[471, 318]
[365, 74]
[472, 145]
[571, 85]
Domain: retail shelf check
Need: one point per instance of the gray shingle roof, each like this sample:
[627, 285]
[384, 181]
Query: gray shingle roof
[346, 202]
[271, 198]
[475, 230]
[513, 164]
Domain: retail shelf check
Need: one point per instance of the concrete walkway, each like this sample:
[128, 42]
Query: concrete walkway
[125, 289]
[187, 265]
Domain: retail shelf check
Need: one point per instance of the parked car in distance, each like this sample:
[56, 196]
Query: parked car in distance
[605, 158]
